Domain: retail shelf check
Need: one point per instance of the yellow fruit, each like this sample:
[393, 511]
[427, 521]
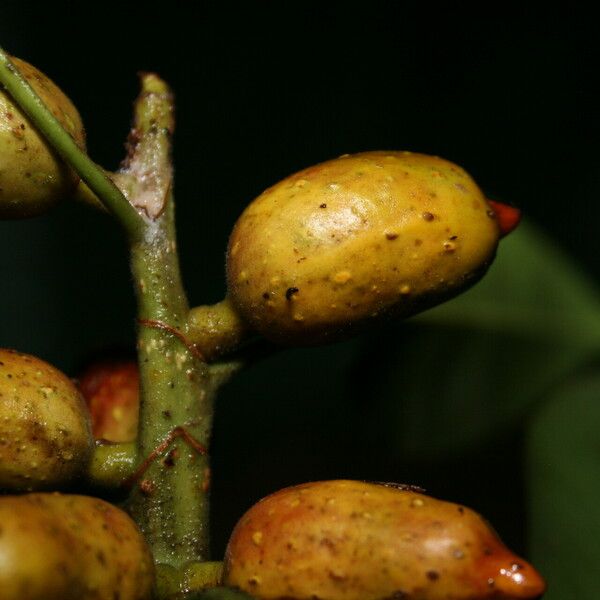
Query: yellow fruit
[45, 432]
[32, 177]
[351, 540]
[64, 547]
[356, 238]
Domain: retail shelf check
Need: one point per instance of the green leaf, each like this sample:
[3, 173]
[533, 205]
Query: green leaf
[466, 371]
[564, 490]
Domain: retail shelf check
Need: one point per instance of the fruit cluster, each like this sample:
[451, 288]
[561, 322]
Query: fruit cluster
[319, 256]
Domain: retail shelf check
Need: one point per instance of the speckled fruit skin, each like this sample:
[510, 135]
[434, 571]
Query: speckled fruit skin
[32, 177]
[351, 540]
[66, 547]
[45, 432]
[355, 238]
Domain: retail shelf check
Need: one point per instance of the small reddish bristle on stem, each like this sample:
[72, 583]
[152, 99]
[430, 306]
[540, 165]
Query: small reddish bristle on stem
[508, 217]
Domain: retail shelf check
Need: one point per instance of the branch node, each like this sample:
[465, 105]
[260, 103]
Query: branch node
[177, 432]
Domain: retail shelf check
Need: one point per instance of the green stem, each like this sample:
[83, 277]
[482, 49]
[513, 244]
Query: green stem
[170, 499]
[169, 494]
[63, 143]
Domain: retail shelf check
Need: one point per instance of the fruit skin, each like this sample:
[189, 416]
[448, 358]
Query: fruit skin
[356, 238]
[351, 540]
[67, 547]
[111, 391]
[32, 177]
[45, 432]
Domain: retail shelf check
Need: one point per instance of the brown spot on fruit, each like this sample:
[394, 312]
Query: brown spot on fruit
[290, 292]
[449, 247]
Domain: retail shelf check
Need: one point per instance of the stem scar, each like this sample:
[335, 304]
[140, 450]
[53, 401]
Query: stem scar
[147, 487]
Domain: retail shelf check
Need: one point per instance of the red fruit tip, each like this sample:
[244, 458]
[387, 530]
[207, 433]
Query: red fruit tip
[507, 216]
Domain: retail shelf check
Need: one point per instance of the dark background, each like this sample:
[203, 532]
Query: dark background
[264, 89]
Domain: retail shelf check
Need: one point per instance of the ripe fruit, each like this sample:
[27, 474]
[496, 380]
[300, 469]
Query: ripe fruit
[45, 436]
[64, 547]
[356, 238]
[111, 390]
[351, 540]
[32, 177]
